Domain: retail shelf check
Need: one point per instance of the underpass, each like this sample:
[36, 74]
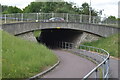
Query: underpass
[52, 37]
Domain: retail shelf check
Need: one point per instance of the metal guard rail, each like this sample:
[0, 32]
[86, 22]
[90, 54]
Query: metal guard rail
[44, 17]
[104, 64]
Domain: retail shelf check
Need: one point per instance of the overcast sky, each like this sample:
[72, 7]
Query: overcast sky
[110, 7]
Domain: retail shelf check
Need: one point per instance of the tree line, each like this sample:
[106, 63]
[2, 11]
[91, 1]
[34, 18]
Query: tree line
[54, 7]
[50, 7]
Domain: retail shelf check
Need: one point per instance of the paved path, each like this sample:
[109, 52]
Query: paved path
[114, 64]
[114, 68]
[71, 66]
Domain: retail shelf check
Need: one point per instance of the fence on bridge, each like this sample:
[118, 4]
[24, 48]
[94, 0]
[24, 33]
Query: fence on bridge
[44, 17]
[99, 55]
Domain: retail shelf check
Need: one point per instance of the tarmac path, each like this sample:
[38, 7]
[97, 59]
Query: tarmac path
[114, 68]
[114, 64]
[71, 66]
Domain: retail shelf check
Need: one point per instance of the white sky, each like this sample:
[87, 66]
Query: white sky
[110, 6]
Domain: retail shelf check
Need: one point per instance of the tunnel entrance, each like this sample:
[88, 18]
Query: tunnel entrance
[52, 38]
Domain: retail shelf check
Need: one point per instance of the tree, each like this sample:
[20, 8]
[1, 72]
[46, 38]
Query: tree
[110, 20]
[4, 8]
[85, 10]
[51, 7]
[48, 7]
[33, 7]
[10, 9]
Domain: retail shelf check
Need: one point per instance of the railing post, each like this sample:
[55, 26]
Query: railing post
[103, 70]
[67, 17]
[106, 71]
[65, 45]
[40, 17]
[93, 20]
[37, 16]
[70, 46]
[108, 67]
[52, 14]
[22, 17]
[43, 14]
[96, 75]
[81, 18]
[5, 18]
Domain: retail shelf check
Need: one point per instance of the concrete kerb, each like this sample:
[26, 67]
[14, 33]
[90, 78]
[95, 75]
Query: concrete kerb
[46, 71]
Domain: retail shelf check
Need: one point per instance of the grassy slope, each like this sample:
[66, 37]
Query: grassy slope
[23, 59]
[37, 33]
[110, 44]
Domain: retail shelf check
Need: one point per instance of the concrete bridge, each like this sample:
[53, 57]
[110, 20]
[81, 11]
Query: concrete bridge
[60, 31]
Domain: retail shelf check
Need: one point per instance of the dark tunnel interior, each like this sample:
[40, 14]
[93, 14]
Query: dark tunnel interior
[53, 37]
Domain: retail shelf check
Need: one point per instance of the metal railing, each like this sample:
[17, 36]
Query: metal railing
[66, 45]
[101, 56]
[44, 17]
[103, 59]
[59, 44]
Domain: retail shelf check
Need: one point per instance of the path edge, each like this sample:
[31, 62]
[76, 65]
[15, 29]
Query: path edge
[44, 72]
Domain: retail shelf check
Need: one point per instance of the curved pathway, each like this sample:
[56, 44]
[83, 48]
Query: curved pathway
[71, 66]
[114, 67]
[114, 64]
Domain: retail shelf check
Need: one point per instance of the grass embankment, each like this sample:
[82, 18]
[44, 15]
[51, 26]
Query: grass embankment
[110, 44]
[23, 59]
[37, 33]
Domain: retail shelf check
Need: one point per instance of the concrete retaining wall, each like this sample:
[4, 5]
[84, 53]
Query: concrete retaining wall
[28, 36]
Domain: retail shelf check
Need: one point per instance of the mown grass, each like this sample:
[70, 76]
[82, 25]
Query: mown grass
[110, 44]
[23, 59]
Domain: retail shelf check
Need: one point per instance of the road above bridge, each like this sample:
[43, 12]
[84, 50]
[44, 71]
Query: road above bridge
[71, 66]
